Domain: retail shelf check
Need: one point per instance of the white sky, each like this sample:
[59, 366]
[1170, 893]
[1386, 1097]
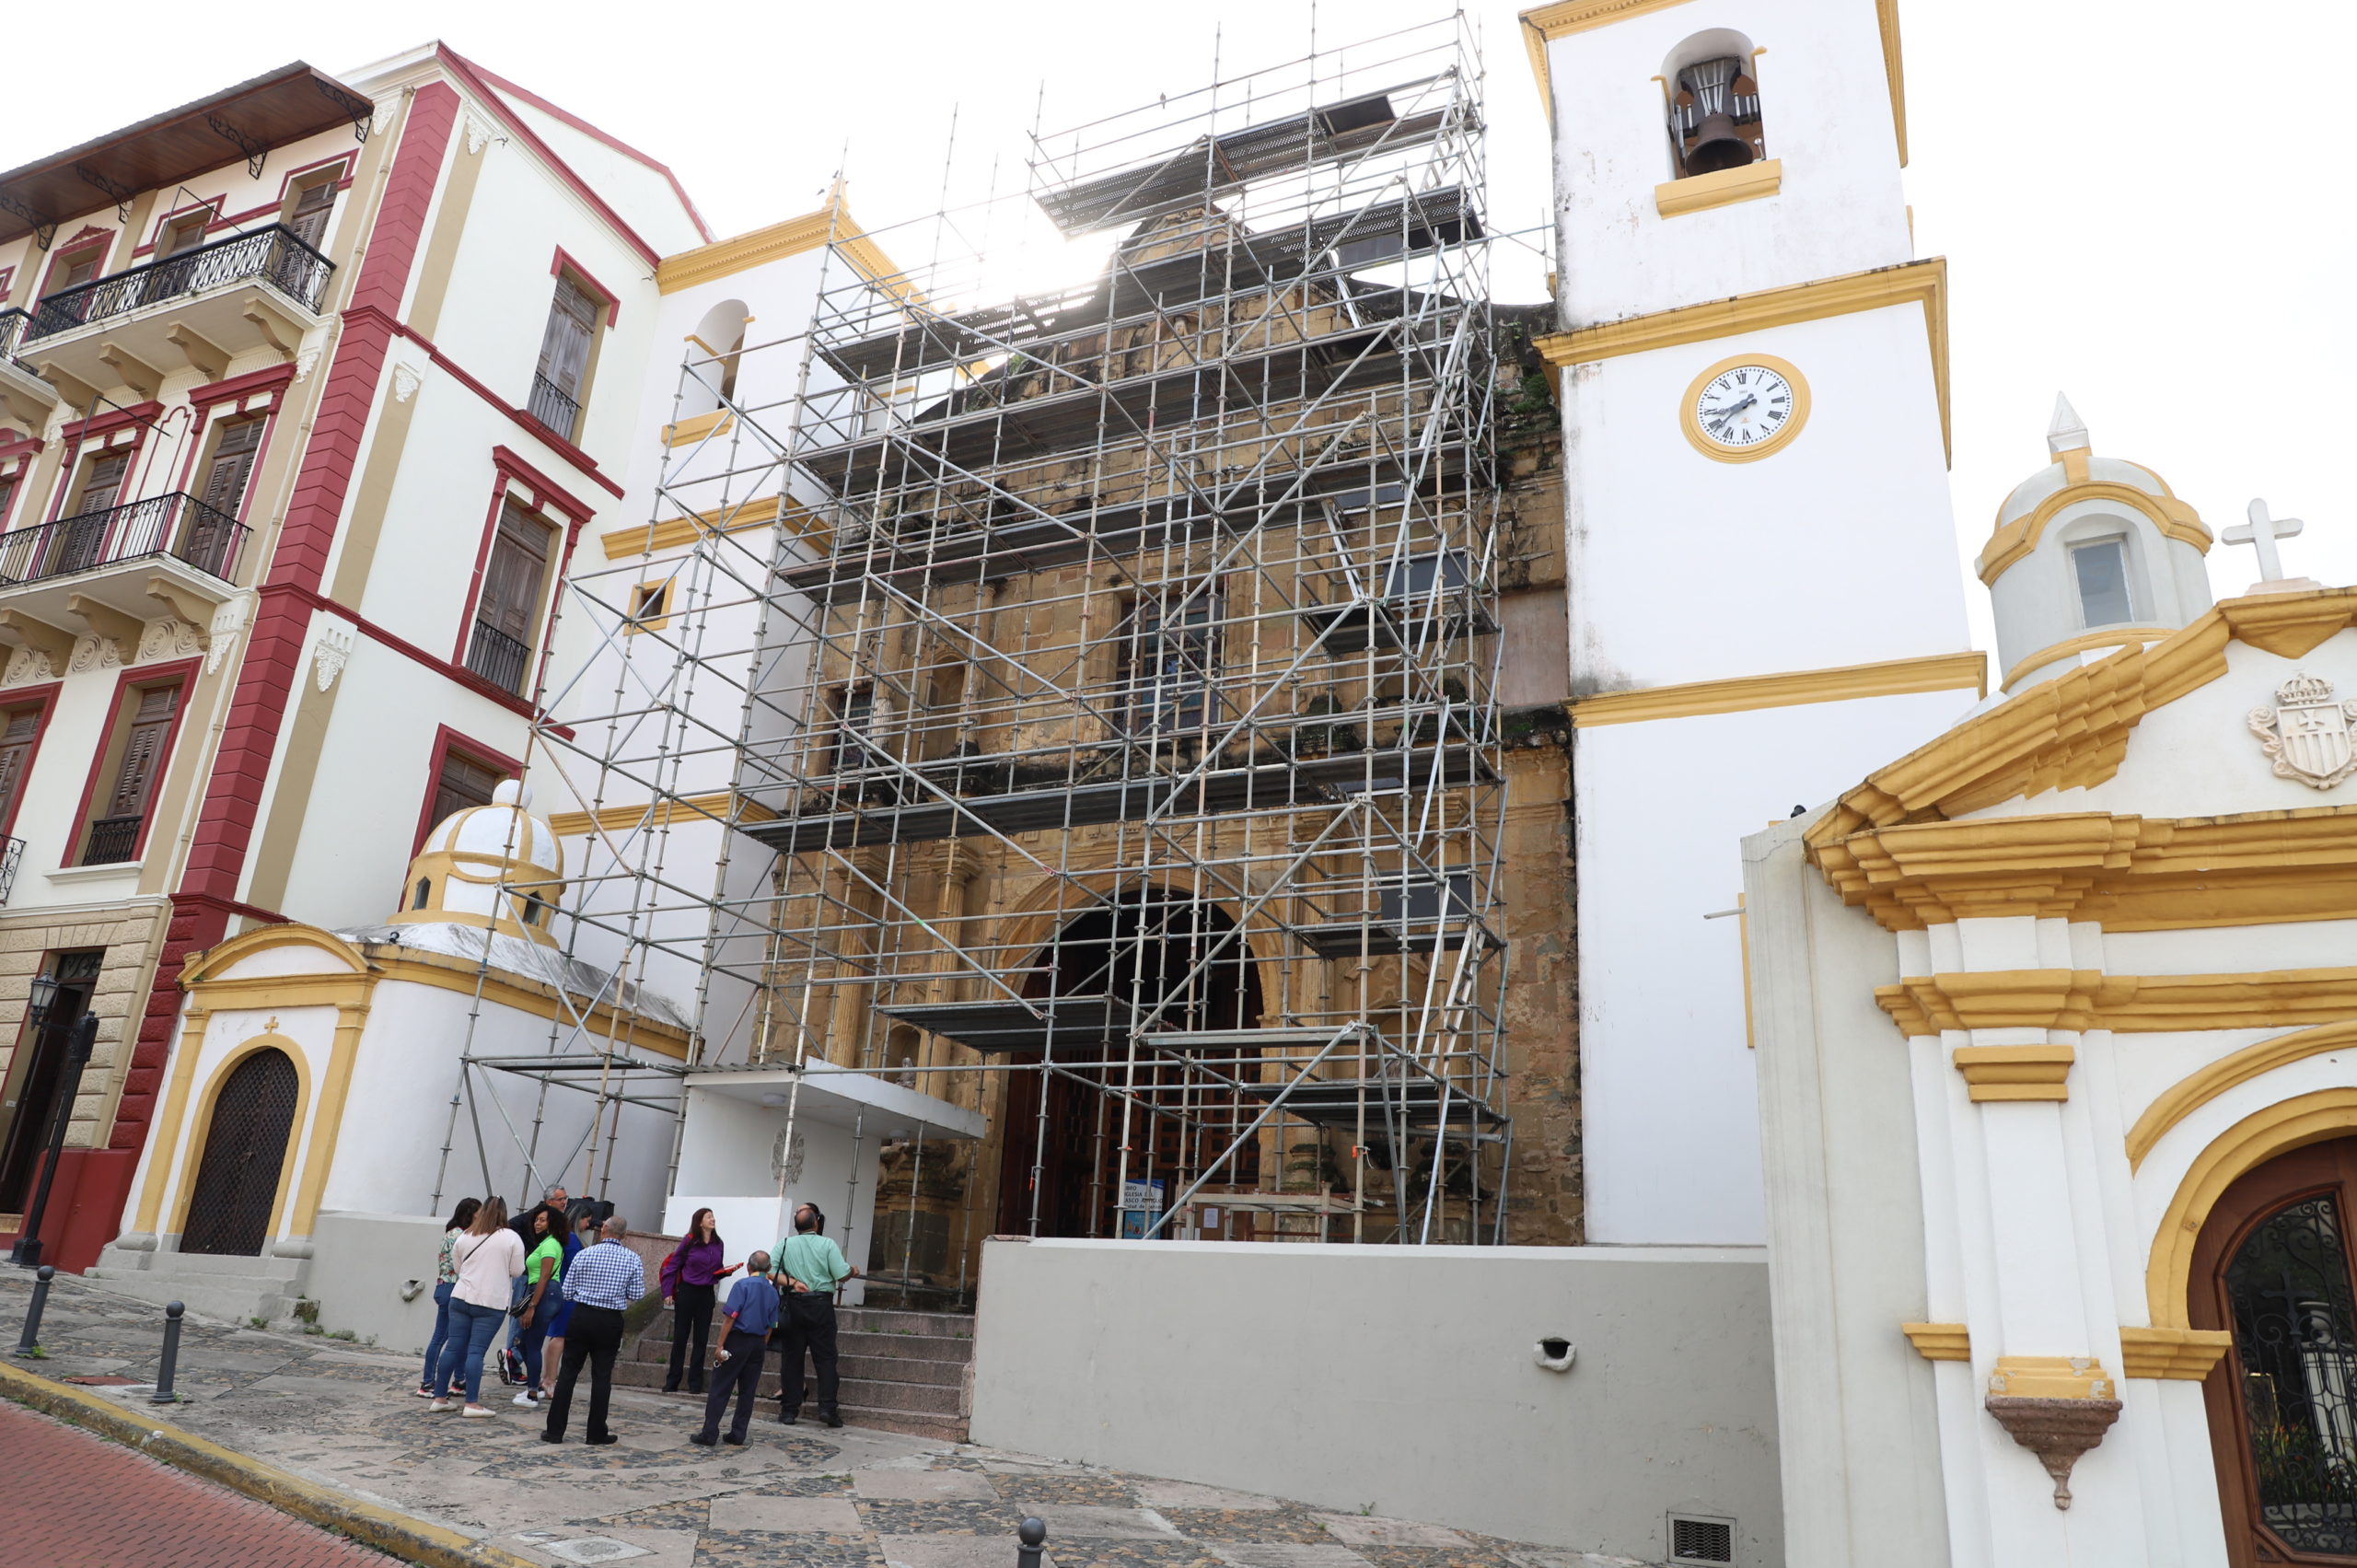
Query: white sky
[2142, 204]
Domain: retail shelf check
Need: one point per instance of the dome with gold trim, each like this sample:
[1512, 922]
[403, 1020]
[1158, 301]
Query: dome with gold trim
[495, 867]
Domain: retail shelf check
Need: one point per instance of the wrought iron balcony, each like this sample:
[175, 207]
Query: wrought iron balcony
[12, 331]
[113, 840]
[274, 256]
[177, 525]
[12, 855]
[498, 657]
[553, 408]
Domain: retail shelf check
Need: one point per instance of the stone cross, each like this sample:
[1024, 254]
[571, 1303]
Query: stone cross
[2260, 533]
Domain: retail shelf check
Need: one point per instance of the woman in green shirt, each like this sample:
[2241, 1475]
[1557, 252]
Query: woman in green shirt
[543, 1270]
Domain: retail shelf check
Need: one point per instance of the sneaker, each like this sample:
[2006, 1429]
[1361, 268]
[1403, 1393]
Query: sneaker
[440, 1407]
[478, 1410]
[425, 1393]
[527, 1398]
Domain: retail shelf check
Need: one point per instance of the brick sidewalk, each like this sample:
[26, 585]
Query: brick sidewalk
[72, 1498]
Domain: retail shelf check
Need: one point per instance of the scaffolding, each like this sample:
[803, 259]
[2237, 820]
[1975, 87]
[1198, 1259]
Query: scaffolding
[1089, 687]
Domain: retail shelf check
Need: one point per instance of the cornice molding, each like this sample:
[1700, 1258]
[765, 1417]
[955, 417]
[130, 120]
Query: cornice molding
[1939, 1341]
[1721, 188]
[1923, 283]
[1999, 1073]
[2015, 539]
[709, 264]
[2128, 1003]
[2179, 1354]
[2071, 732]
[1891, 677]
[644, 539]
[2108, 637]
[669, 813]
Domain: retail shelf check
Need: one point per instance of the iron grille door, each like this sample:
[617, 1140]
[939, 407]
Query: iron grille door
[229, 1212]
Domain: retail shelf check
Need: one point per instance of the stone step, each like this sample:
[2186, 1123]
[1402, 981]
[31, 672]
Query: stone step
[218, 1298]
[898, 1369]
[286, 1271]
[906, 1347]
[887, 1415]
[882, 1321]
[868, 1393]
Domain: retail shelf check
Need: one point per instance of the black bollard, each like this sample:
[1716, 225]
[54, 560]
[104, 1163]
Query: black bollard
[1031, 1534]
[162, 1394]
[29, 1341]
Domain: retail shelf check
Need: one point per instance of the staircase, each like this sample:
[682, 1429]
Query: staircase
[228, 1289]
[901, 1371]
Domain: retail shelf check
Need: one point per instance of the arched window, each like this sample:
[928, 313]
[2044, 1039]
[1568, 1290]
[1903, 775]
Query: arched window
[713, 349]
[1714, 105]
[424, 889]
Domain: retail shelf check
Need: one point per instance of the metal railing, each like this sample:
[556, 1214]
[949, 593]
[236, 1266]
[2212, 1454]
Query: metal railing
[112, 840]
[553, 408]
[12, 855]
[176, 524]
[12, 331]
[498, 657]
[275, 255]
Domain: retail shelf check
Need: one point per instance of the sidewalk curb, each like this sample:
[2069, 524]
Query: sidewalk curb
[411, 1540]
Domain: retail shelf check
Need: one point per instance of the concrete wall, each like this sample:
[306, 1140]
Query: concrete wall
[359, 1264]
[1400, 1379]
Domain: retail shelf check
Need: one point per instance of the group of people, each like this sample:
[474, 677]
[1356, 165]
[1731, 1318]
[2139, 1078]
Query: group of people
[561, 1276]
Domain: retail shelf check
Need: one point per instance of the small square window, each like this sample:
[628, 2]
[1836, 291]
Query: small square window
[650, 608]
[2100, 568]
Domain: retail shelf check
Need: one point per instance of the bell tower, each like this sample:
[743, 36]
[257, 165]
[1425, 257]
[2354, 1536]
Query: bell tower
[1765, 596]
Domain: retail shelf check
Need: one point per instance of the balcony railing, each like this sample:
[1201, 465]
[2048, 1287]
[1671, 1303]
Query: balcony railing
[12, 855]
[178, 525]
[274, 256]
[12, 331]
[113, 840]
[498, 657]
[553, 408]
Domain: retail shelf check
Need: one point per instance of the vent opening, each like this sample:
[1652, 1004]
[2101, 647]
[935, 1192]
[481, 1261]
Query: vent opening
[1699, 1539]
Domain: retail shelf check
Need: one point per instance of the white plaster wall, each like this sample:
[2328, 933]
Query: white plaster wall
[725, 1163]
[1825, 107]
[360, 1264]
[1838, 549]
[1400, 1379]
[1672, 1147]
[639, 192]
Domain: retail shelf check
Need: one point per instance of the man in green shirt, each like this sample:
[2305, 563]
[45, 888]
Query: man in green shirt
[810, 1267]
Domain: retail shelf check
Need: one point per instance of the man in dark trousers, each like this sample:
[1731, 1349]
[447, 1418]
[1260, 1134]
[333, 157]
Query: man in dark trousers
[744, 1324]
[811, 1266]
[603, 1281]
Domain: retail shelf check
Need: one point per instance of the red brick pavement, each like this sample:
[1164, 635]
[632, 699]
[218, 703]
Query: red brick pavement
[70, 1499]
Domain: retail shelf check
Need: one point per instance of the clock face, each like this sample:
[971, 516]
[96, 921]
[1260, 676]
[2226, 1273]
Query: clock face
[1743, 406]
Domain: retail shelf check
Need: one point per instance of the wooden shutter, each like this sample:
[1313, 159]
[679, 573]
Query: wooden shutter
[186, 234]
[232, 465]
[16, 749]
[564, 347]
[309, 218]
[143, 752]
[7, 498]
[101, 484]
[462, 782]
[81, 269]
[511, 578]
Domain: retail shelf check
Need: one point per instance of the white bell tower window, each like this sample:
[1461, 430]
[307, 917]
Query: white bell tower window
[2099, 567]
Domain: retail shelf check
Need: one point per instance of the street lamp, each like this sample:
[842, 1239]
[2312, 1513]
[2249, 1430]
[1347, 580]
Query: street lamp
[27, 1251]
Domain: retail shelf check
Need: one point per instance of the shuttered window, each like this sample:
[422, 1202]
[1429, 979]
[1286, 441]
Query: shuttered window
[231, 465]
[309, 216]
[79, 270]
[143, 752]
[462, 782]
[7, 498]
[101, 484]
[16, 732]
[564, 345]
[511, 579]
[182, 233]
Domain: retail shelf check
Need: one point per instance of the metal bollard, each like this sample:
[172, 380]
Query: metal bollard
[1031, 1534]
[29, 1341]
[162, 1394]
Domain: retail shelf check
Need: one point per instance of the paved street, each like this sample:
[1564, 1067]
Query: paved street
[344, 1416]
[74, 1498]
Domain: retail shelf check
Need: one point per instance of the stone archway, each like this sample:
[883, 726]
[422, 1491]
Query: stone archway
[232, 1202]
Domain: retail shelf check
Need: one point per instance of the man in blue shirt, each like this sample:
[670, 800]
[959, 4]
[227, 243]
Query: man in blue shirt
[602, 1284]
[745, 1326]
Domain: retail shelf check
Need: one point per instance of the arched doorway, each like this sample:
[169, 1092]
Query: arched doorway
[1154, 955]
[2274, 1265]
[245, 1147]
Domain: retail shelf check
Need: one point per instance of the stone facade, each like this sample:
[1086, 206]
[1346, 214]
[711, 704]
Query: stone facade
[131, 933]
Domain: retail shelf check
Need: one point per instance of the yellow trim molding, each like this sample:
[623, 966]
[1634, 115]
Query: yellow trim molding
[2205, 1083]
[681, 433]
[644, 539]
[1993, 999]
[2053, 1377]
[724, 258]
[2015, 1072]
[1923, 282]
[2180, 1355]
[1720, 188]
[2270, 1131]
[1545, 23]
[622, 819]
[2070, 732]
[2015, 540]
[2104, 637]
[1939, 1341]
[2127, 1003]
[1892, 677]
[1691, 421]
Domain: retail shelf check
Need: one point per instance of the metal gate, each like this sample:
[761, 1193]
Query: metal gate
[244, 1149]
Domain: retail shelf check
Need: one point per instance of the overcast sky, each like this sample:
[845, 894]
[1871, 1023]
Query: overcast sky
[2141, 204]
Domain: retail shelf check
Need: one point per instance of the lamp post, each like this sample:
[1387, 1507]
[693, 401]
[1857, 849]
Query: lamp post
[26, 1252]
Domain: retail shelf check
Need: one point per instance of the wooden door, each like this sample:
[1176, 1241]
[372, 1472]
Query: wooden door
[2273, 1264]
[36, 1074]
[245, 1146]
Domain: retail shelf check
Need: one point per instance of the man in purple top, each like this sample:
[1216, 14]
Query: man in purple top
[689, 1277]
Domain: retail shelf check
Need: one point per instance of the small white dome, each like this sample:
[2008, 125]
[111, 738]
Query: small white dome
[495, 865]
[503, 831]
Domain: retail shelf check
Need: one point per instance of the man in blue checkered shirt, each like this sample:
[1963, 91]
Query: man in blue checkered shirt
[602, 1282]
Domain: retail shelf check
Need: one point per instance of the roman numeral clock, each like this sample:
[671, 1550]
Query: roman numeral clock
[1743, 409]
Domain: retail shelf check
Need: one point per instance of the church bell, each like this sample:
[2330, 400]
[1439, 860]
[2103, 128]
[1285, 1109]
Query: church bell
[1716, 146]
[1715, 118]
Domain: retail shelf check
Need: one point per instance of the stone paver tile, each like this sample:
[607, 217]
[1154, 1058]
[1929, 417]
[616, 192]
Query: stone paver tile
[830, 1515]
[951, 1551]
[1164, 1553]
[1287, 1554]
[1473, 1554]
[1067, 1519]
[928, 1517]
[656, 1549]
[911, 1485]
[1295, 1524]
[1100, 1491]
[762, 1549]
[1187, 1494]
[1366, 1529]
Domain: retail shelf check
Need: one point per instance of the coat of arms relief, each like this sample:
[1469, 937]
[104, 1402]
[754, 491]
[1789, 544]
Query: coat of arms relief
[2306, 733]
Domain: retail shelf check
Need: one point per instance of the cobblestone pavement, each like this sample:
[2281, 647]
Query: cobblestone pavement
[347, 1416]
[72, 1498]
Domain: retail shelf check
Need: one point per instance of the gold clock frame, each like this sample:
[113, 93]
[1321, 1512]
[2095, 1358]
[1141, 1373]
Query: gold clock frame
[1774, 444]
